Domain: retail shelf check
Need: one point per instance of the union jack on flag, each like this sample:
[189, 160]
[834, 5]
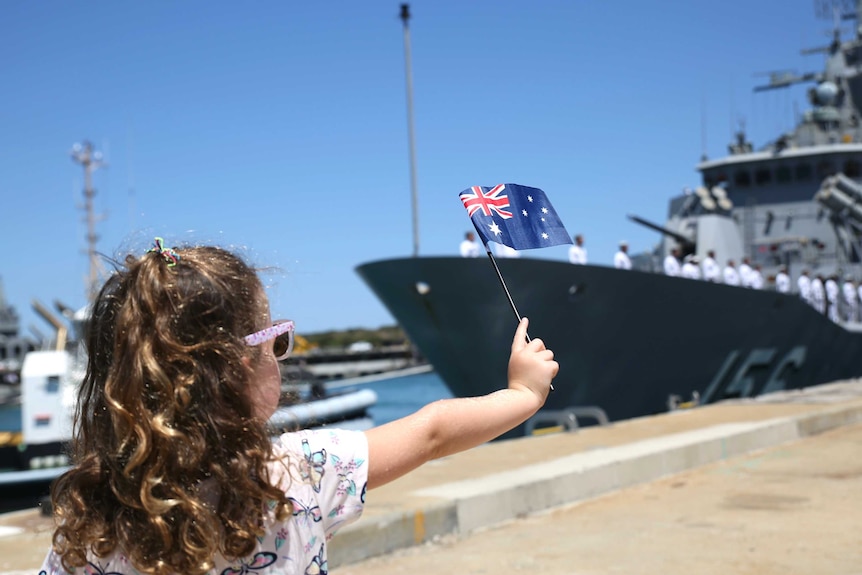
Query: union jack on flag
[513, 215]
[476, 199]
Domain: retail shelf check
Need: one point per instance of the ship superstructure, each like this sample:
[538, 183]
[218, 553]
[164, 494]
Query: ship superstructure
[794, 202]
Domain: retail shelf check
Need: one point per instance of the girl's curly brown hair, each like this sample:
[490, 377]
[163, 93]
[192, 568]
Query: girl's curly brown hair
[169, 462]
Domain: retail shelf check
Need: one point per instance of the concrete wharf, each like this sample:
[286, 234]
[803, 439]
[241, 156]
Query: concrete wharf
[764, 485]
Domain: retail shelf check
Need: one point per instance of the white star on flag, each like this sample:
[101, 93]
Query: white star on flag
[544, 236]
[495, 229]
[529, 198]
[544, 210]
[524, 212]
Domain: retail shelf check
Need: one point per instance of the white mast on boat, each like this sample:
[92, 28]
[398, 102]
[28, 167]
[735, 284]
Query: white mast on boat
[83, 154]
[405, 16]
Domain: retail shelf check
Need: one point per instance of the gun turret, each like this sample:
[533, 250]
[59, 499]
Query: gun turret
[686, 245]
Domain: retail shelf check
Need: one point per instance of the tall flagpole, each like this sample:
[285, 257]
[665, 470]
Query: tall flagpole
[405, 16]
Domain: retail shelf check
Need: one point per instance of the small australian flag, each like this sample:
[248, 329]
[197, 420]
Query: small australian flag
[516, 216]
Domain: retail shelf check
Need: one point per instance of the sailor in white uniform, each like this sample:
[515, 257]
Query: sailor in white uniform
[578, 253]
[469, 247]
[832, 298]
[690, 269]
[745, 273]
[818, 295]
[731, 276]
[711, 271]
[803, 284]
[851, 302]
[671, 263]
[782, 281]
[621, 258]
[755, 278]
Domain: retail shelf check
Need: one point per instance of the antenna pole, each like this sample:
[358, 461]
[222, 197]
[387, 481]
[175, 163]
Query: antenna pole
[405, 16]
[91, 160]
[703, 155]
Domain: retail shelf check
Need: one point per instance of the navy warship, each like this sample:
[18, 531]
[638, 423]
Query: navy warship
[638, 342]
[13, 345]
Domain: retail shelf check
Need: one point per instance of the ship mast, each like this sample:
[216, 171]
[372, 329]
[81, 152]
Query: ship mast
[405, 16]
[86, 156]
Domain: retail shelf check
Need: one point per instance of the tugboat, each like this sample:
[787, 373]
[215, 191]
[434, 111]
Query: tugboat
[632, 343]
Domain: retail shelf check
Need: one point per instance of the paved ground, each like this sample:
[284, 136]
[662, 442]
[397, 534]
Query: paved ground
[786, 510]
[676, 492]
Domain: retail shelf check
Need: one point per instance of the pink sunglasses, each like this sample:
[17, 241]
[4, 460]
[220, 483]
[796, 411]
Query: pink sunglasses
[281, 331]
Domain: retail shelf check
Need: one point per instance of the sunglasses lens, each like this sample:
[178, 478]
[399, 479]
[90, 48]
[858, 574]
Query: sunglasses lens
[283, 345]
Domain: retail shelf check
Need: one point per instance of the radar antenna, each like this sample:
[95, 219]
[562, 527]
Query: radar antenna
[91, 160]
[835, 9]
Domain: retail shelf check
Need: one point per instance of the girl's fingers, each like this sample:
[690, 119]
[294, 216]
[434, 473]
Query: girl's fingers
[520, 340]
[537, 344]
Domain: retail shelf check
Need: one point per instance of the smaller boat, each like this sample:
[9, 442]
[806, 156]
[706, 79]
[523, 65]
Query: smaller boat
[356, 359]
[345, 410]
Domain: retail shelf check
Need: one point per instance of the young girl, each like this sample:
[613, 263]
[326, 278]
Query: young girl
[174, 469]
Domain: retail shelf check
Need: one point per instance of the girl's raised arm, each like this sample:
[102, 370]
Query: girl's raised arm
[452, 425]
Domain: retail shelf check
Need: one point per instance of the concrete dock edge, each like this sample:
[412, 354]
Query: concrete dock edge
[392, 532]
[464, 506]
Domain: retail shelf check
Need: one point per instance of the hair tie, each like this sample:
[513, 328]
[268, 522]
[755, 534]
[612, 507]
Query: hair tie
[168, 254]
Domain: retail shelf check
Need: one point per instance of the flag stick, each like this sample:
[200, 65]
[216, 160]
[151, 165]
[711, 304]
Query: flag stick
[503, 283]
[506, 289]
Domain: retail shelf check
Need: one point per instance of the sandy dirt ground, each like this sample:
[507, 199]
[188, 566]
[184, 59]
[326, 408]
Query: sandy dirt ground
[794, 509]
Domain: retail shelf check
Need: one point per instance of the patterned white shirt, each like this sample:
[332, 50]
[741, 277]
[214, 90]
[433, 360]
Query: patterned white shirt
[324, 476]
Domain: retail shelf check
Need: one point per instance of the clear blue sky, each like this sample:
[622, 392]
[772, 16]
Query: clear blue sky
[280, 127]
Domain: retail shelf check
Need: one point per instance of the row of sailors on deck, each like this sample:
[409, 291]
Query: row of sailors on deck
[825, 296]
[470, 248]
[821, 294]
[746, 275]
[578, 254]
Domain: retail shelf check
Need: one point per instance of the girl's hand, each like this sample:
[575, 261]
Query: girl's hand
[448, 426]
[531, 365]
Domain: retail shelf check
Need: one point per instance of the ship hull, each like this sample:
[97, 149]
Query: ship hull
[626, 341]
